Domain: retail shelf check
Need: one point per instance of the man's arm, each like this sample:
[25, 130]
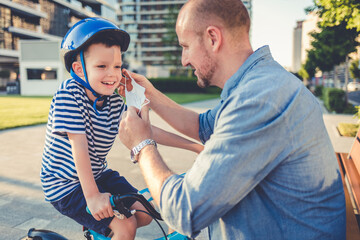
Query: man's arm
[133, 130]
[154, 170]
[180, 118]
[98, 203]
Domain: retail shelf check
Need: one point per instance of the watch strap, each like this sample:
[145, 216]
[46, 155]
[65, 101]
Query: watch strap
[134, 153]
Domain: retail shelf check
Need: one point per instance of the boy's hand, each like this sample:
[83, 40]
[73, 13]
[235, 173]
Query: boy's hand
[99, 206]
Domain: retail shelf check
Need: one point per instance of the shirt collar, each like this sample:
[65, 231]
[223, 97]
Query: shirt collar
[232, 82]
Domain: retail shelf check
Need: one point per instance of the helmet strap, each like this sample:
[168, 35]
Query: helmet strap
[86, 82]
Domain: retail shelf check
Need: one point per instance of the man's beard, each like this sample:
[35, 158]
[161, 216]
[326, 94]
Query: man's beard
[206, 75]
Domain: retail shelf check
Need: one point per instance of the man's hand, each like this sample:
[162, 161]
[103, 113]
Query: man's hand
[125, 81]
[140, 79]
[134, 128]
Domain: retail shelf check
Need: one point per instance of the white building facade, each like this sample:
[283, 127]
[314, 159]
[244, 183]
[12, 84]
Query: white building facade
[302, 40]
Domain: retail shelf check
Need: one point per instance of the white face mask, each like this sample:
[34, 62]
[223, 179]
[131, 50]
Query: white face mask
[135, 97]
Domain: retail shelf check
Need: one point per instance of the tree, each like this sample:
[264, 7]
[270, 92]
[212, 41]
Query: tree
[170, 38]
[310, 64]
[303, 73]
[335, 12]
[332, 45]
[354, 69]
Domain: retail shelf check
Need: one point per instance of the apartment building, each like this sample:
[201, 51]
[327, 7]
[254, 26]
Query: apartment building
[154, 47]
[41, 20]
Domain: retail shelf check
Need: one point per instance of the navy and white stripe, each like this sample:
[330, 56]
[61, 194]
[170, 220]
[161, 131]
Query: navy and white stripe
[71, 111]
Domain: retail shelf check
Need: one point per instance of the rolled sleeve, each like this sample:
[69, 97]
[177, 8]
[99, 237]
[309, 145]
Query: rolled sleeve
[207, 122]
[175, 206]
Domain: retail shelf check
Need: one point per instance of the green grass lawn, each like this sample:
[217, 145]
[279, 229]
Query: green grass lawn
[18, 111]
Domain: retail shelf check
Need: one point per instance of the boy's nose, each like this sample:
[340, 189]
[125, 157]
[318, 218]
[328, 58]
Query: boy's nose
[111, 72]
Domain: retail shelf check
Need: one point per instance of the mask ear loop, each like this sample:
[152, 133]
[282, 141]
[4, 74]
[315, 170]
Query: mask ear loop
[146, 102]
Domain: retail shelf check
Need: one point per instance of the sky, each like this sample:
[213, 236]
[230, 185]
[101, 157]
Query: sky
[273, 22]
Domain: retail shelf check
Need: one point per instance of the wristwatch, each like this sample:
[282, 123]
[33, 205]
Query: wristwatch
[134, 153]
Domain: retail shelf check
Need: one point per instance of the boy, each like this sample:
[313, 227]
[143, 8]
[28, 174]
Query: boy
[82, 125]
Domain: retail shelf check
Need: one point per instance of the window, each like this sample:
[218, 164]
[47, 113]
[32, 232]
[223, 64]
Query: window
[41, 74]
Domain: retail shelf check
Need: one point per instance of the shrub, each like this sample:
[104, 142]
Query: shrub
[334, 99]
[319, 91]
[181, 85]
[348, 129]
[350, 109]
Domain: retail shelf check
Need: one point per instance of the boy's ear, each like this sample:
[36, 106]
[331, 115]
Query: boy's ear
[77, 68]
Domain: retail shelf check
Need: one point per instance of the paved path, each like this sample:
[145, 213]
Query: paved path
[21, 198]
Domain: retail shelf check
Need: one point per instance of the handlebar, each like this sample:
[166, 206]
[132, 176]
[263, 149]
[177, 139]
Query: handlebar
[117, 202]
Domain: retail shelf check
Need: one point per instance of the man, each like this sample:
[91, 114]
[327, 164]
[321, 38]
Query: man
[268, 170]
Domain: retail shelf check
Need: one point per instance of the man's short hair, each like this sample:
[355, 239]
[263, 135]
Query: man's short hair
[231, 13]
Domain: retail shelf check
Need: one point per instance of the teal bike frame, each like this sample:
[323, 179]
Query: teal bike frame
[144, 198]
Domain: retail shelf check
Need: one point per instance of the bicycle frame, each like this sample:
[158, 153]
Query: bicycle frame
[144, 197]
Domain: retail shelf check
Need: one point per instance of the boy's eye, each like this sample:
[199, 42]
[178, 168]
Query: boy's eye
[117, 66]
[101, 66]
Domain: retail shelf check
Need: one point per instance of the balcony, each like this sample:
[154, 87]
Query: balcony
[99, 2]
[79, 11]
[25, 33]
[149, 40]
[151, 21]
[165, 2]
[153, 12]
[6, 55]
[152, 58]
[24, 10]
[158, 49]
[156, 30]
[128, 3]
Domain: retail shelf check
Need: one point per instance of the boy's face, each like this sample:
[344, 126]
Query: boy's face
[103, 68]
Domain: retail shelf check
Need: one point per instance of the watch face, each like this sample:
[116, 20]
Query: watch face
[132, 156]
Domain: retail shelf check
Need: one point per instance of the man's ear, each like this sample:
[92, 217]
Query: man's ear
[77, 68]
[215, 37]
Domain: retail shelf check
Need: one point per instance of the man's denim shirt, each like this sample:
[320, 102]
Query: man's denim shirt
[268, 170]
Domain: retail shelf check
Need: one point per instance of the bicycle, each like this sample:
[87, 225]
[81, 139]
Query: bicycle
[120, 211]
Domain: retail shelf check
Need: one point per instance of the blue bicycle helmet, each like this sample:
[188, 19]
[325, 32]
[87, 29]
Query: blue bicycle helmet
[83, 31]
[79, 35]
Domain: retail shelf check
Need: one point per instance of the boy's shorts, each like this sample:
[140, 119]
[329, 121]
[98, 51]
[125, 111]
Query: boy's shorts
[74, 204]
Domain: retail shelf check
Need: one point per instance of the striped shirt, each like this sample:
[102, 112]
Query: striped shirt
[71, 111]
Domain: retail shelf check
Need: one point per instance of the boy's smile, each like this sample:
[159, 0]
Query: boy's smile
[103, 68]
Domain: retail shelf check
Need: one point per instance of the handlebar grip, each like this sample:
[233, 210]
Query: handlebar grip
[111, 202]
[116, 200]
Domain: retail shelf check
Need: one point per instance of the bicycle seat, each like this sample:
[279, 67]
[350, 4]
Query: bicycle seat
[40, 234]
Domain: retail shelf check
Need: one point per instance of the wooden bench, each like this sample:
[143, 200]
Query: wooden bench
[350, 173]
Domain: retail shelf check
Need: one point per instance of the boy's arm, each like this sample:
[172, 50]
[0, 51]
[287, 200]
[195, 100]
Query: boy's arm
[98, 203]
[170, 139]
